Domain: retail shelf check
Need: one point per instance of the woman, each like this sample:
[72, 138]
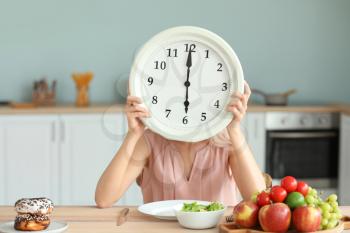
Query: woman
[167, 169]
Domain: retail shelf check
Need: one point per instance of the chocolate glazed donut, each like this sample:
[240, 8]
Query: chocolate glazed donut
[31, 222]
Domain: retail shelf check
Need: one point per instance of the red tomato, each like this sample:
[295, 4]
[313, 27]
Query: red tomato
[263, 199]
[289, 183]
[302, 188]
[278, 194]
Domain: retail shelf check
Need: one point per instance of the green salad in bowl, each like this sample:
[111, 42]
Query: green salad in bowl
[196, 207]
[199, 214]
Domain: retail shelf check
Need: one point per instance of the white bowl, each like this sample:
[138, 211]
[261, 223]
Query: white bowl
[198, 220]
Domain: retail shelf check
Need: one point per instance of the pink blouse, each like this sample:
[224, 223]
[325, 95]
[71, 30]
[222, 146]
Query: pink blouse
[164, 177]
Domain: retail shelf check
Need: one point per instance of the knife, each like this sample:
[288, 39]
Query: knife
[123, 216]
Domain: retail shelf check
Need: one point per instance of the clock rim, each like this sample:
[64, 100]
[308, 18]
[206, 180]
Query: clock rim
[230, 59]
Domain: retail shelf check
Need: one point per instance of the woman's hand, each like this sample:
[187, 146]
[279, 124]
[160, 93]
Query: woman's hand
[238, 106]
[134, 112]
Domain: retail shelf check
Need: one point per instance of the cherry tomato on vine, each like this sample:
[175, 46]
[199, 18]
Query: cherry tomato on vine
[302, 188]
[289, 183]
[278, 194]
[263, 199]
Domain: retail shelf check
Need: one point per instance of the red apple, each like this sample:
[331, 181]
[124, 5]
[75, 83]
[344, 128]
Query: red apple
[263, 198]
[306, 218]
[246, 214]
[275, 217]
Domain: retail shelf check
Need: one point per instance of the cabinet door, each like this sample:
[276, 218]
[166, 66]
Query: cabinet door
[2, 164]
[88, 144]
[254, 129]
[28, 157]
[344, 163]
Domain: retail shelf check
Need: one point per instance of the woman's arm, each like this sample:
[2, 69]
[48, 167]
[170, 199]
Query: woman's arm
[128, 162]
[246, 172]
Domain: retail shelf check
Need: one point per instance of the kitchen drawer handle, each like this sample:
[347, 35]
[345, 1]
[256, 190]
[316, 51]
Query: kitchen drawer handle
[63, 131]
[53, 132]
[292, 135]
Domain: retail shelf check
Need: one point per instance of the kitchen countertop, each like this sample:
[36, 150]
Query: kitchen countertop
[65, 108]
[343, 108]
[100, 108]
[90, 219]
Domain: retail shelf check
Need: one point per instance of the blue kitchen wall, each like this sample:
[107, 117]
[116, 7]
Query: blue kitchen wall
[281, 44]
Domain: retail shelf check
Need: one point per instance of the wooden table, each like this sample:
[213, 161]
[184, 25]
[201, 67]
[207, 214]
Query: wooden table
[90, 219]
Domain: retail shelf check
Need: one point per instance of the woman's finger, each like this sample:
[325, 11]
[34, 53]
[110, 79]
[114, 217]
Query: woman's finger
[133, 100]
[134, 113]
[237, 114]
[245, 101]
[138, 114]
[137, 108]
[237, 96]
[239, 106]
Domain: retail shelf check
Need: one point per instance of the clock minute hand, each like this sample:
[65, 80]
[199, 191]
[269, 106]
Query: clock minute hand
[187, 83]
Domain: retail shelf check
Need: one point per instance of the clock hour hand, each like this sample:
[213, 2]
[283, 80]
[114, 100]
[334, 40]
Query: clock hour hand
[187, 82]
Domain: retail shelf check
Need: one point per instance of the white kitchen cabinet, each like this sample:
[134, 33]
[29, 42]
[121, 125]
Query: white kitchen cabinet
[253, 127]
[60, 156]
[28, 157]
[88, 144]
[344, 163]
[2, 165]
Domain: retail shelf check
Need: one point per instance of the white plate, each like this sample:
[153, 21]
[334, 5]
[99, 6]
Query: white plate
[54, 227]
[164, 209]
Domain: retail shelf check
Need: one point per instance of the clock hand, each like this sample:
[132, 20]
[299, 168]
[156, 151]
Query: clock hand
[187, 83]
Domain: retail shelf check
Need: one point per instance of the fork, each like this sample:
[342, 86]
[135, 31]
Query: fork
[229, 218]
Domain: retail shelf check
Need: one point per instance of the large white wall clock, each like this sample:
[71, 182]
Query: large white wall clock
[185, 77]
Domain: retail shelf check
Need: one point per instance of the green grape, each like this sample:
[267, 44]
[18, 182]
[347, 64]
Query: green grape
[309, 199]
[339, 215]
[333, 216]
[256, 193]
[319, 201]
[313, 192]
[332, 198]
[324, 222]
[331, 224]
[253, 198]
[334, 205]
[326, 215]
[325, 207]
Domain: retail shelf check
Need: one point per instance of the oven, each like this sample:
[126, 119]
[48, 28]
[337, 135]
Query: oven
[303, 145]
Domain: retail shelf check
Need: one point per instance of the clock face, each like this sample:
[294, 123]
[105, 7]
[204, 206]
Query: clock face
[186, 83]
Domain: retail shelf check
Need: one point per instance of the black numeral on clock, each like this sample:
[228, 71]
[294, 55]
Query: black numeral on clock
[206, 53]
[224, 87]
[150, 81]
[172, 52]
[216, 104]
[219, 67]
[155, 99]
[190, 47]
[204, 116]
[167, 112]
[185, 120]
[160, 65]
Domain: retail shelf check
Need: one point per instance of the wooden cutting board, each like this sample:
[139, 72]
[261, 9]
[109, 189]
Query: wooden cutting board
[234, 228]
